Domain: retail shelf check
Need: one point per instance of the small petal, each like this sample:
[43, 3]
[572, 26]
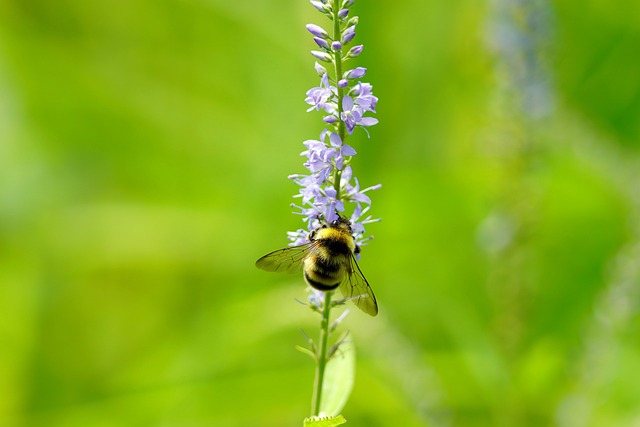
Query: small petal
[347, 103]
[368, 121]
[348, 150]
[335, 139]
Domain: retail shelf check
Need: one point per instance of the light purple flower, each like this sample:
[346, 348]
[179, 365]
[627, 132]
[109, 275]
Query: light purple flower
[319, 157]
[364, 96]
[356, 73]
[298, 237]
[340, 150]
[329, 204]
[354, 194]
[318, 97]
[350, 115]
[310, 187]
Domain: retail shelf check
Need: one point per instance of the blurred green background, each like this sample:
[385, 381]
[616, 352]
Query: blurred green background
[144, 153]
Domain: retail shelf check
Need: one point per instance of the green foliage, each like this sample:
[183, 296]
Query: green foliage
[144, 153]
[338, 379]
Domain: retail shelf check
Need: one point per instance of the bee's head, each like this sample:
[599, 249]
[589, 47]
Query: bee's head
[342, 223]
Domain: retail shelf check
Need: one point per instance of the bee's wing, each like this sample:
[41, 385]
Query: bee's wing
[356, 288]
[288, 259]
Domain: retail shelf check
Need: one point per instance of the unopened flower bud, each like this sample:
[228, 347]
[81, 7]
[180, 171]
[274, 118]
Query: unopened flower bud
[356, 73]
[336, 45]
[348, 34]
[319, 5]
[322, 56]
[355, 51]
[321, 42]
[320, 69]
[317, 31]
[343, 83]
[343, 13]
[347, 3]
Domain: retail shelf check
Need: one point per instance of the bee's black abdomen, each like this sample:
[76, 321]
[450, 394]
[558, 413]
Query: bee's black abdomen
[319, 286]
[325, 271]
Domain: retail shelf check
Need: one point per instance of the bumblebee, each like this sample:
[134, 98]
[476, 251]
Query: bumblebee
[327, 262]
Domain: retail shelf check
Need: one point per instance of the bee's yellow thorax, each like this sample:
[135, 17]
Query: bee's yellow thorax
[335, 236]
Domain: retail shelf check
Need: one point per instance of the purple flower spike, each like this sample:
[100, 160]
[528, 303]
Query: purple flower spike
[328, 185]
[317, 31]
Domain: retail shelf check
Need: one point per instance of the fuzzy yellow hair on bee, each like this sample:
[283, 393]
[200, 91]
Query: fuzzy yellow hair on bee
[327, 262]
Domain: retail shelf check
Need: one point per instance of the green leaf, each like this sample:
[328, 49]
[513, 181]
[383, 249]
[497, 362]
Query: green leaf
[306, 351]
[338, 379]
[324, 421]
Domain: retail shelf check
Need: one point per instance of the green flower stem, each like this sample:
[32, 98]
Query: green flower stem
[321, 357]
[337, 61]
